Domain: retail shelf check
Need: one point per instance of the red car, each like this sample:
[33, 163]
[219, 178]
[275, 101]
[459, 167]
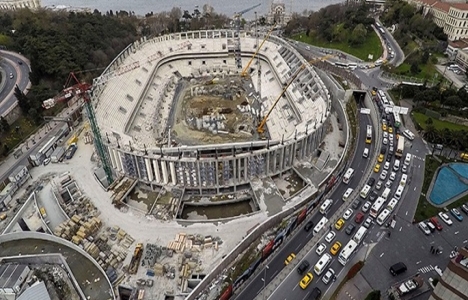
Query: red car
[436, 223]
[359, 218]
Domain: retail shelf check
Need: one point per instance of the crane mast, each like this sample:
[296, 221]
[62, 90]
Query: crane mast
[259, 67]
[237, 44]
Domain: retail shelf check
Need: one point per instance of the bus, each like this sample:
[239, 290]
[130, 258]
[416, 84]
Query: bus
[347, 176]
[365, 191]
[325, 208]
[383, 217]
[377, 207]
[369, 134]
[322, 263]
[386, 193]
[341, 65]
[360, 234]
[396, 117]
[352, 66]
[347, 251]
[391, 205]
[400, 147]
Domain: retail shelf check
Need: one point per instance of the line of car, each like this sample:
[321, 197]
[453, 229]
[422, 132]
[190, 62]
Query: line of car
[433, 223]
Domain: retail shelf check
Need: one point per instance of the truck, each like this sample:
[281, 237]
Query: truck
[134, 263]
[400, 147]
[410, 285]
[71, 151]
[57, 155]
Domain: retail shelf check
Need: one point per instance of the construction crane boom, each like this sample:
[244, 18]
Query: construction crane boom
[244, 72]
[237, 49]
[261, 126]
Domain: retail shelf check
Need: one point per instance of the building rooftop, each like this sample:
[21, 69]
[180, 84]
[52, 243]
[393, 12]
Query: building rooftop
[9, 274]
[37, 291]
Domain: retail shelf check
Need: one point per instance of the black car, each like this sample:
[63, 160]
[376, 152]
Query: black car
[373, 196]
[350, 229]
[315, 294]
[308, 226]
[389, 157]
[303, 267]
[371, 181]
[383, 150]
[356, 204]
[20, 62]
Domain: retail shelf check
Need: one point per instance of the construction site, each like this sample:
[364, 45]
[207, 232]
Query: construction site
[215, 110]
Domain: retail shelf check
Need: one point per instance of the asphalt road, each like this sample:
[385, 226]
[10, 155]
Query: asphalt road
[300, 238]
[20, 73]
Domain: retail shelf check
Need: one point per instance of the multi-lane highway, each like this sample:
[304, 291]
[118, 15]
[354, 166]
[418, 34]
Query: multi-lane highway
[300, 238]
[14, 64]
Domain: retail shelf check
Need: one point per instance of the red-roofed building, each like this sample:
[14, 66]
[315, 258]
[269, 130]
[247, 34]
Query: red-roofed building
[451, 16]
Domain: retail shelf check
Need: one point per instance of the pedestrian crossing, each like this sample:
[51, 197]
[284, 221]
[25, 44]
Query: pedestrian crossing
[425, 270]
[420, 158]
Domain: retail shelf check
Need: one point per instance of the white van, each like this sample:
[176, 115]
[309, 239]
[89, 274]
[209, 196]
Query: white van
[399, 191]
[383, 216]
[365, 191]
[347, 194]
[403, 180]
[385, 193]
[396, 165]
[320, 225]
[326, 206]
[322, 263]
[408, 159]
[408, 134]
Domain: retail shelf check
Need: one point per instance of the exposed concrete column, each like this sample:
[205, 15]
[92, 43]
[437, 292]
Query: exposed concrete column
[135, 162]
[173, 173]
[246, 169]
[292, 153]
[164, 172]
[156, 171]
[112, 157]
[275, 163]
[216, 174]
[149, 169]
[198, 176]
[118, 157]
[281, 159]
[267, 162]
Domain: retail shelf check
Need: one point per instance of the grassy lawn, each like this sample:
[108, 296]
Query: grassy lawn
[12, 138]
[425, 210]
[439, 125]
[427, 71]
[371, 45]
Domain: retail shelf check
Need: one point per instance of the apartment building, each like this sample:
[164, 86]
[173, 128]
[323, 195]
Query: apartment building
[453, 285]
[451, 16]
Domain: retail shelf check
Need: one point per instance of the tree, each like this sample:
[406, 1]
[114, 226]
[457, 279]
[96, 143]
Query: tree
[23, 101]
[358, 35]
[374, 295]
[431, 133]
[4, 126]
[414, 69]
[429, 121]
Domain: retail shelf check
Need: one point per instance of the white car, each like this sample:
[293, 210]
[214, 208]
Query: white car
[365, 154]
[330, 236]
[383, 175]
[392, 176]
[388, 184]
[328, 276]
[404, 169]
[391, 143]
[386, 165]
[445, 218]
[366, 206]
[390, 137]
[367, 222]
[385, 134]
[385, 141]
[321, 248]
[348, 213]
[378, 186]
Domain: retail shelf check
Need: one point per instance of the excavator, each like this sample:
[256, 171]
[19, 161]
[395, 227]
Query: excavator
[261, 126]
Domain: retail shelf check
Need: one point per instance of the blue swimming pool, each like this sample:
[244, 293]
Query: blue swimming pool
[448, 184]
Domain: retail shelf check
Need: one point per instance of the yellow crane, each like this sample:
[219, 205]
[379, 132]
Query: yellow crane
[261, 126]
[244, 72]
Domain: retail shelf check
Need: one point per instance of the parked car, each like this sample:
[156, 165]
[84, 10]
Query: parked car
[371, 181]
[356, 204]
[383, 175]
[308, 226]
[359, 218]
[320, 249]
[464, 207]
[330, 236]
[445, 218]
[378, 186]
[339, 224]
[404, 169]
[366, 206]
[347, 214]
[367, 222]
[436, 223]
[456, 214]
[424, 228]
[373, 196]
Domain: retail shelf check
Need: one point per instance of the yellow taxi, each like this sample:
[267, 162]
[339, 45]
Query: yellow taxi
[390, 129]
[306, 280]
[384, 127]
[289, 259]
[335, 248]
[377, 168]
[373, 93]
[380, 158]
[339, 224]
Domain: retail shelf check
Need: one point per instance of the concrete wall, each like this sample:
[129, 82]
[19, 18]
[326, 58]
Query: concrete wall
[31, 199]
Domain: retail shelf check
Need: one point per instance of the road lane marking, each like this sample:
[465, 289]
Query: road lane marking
[456, 232]
[406, 212]
[299, 246]
[274, 274]
[382, 254]
[295, 287]
[307, 295]
[414, 189]
[401, 228]
[465, 241]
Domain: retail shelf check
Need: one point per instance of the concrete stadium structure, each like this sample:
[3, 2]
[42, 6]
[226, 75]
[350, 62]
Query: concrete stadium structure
[134, 104]
[19, 4]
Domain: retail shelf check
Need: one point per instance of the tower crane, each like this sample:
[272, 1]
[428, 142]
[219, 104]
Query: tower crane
[246, 68]
[261, 126]
[237, 46]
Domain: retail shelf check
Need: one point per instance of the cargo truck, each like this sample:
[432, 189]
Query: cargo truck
[134, 263]
[400, 147]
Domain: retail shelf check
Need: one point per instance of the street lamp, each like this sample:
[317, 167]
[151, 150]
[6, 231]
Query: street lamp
[264, 280]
